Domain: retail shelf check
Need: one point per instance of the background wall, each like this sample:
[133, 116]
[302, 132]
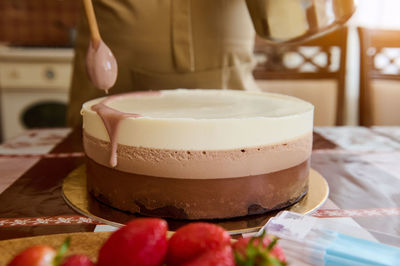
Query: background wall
[38, 22]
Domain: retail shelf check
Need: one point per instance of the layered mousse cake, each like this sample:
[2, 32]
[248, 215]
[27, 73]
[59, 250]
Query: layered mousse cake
[197, 154]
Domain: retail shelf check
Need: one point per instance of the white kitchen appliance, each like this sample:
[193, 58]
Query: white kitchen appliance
[34, 84]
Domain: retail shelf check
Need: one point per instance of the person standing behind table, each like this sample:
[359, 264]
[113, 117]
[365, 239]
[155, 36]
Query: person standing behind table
[168, 44]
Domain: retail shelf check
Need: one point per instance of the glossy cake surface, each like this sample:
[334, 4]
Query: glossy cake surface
[197, 154]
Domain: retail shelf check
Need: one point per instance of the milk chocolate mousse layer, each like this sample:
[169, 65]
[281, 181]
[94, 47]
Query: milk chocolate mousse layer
[197, 198]
[197, 154]
[202, 164]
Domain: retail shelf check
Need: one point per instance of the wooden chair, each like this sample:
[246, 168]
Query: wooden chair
[313, 70]
[379, 77]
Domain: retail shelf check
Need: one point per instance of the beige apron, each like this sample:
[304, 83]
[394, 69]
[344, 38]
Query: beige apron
[168, 44]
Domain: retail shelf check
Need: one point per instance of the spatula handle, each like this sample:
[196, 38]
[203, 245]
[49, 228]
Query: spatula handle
[91, 17]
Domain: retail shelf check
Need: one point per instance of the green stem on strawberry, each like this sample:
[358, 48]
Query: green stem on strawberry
[257, 252]
[61, 252]
[272, 244]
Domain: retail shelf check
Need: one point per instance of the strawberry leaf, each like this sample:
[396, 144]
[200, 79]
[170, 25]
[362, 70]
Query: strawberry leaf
[61, 252]
[257, 252]
[272, 244]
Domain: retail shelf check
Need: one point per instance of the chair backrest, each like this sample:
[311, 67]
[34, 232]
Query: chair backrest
[314, 70]
[379, 77]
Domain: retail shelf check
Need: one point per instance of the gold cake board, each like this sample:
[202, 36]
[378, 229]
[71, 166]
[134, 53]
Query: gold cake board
[77, 197]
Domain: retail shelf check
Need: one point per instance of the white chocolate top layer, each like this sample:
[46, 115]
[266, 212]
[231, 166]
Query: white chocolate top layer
[203, 119]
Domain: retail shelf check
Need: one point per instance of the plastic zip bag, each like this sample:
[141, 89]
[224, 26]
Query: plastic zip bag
[316, 241]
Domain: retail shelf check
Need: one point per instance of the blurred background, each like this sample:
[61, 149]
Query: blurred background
[349, 74]
[36, 53]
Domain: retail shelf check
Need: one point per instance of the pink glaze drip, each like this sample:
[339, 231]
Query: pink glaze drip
[101, 66]
[112, 118]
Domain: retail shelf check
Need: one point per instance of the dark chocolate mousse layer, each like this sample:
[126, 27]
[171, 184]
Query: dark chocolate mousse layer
[197, 198]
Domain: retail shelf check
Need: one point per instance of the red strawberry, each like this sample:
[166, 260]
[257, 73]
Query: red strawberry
[41, 255]
[258, 251]
[77, 260]
[194, 239]
[38, 255]
[222, 256]
[141, 242]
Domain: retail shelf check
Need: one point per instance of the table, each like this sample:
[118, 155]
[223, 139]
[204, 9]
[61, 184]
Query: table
[361, 165]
